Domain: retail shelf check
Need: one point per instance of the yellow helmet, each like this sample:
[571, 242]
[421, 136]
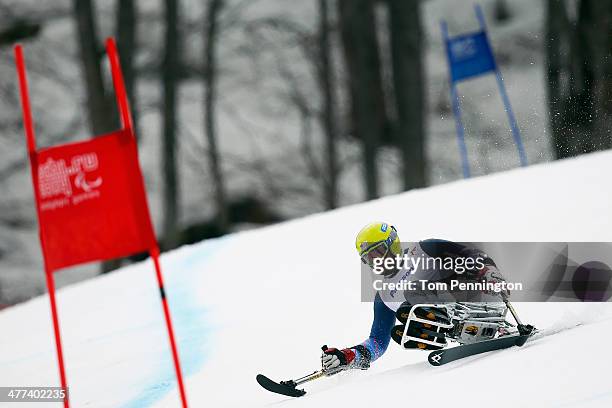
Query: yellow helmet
[377, 240]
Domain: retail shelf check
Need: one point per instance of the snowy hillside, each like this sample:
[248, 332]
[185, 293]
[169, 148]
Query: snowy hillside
[266, 300]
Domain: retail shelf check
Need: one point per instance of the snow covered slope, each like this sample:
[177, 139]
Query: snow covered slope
[266, 300]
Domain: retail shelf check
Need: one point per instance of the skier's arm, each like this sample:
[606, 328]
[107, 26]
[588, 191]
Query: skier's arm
[374, 346]
[380, 334]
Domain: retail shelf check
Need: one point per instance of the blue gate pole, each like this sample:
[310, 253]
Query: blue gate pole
[502, 90]
[511, 119]
[460, 132]
[456, 110]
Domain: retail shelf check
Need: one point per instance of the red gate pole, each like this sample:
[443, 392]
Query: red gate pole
[31, 141]
[120, 92]
[126, 121]
[56, 330]
[177, 365]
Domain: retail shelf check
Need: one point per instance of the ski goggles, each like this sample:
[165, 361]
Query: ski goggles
[378, 250]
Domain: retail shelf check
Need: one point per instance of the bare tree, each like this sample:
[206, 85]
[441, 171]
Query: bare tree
[315, 48]
[210, 101]
[362, 60]
[127, 45]
[328, 115]
[406, 36]
[170, 75]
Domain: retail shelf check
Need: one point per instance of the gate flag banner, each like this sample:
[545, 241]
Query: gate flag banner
[91, 200]
[91, 203]
[469, 56]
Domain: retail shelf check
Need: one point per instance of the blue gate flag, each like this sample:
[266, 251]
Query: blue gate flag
[469, 55]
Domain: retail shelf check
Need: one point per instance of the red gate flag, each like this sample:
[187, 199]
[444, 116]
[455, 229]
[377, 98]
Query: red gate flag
[91, 202]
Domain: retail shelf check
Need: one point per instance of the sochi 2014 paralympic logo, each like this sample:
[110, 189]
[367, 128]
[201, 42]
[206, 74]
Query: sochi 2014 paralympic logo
[61, 184]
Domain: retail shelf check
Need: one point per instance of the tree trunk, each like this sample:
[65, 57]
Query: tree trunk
[582, 109]
[170, 67]
[127, 45]
[102, 114]
[598, 33]
[604, 90]
[328, 116]
[406, 37]
[102, 117]
[579, 107]
[210, 101]
[555, 18]
[362, 60]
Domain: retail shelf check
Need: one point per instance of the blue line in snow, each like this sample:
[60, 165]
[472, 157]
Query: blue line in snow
[190, 323]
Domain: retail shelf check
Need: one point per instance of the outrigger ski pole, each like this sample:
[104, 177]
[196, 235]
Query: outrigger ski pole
[289, 387]
[524, 329]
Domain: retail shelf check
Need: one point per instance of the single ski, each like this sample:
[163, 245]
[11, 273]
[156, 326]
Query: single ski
[444, 356]
[284, 387]
[289, 387]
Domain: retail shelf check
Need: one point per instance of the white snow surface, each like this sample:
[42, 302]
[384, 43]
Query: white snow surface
[264, 301]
